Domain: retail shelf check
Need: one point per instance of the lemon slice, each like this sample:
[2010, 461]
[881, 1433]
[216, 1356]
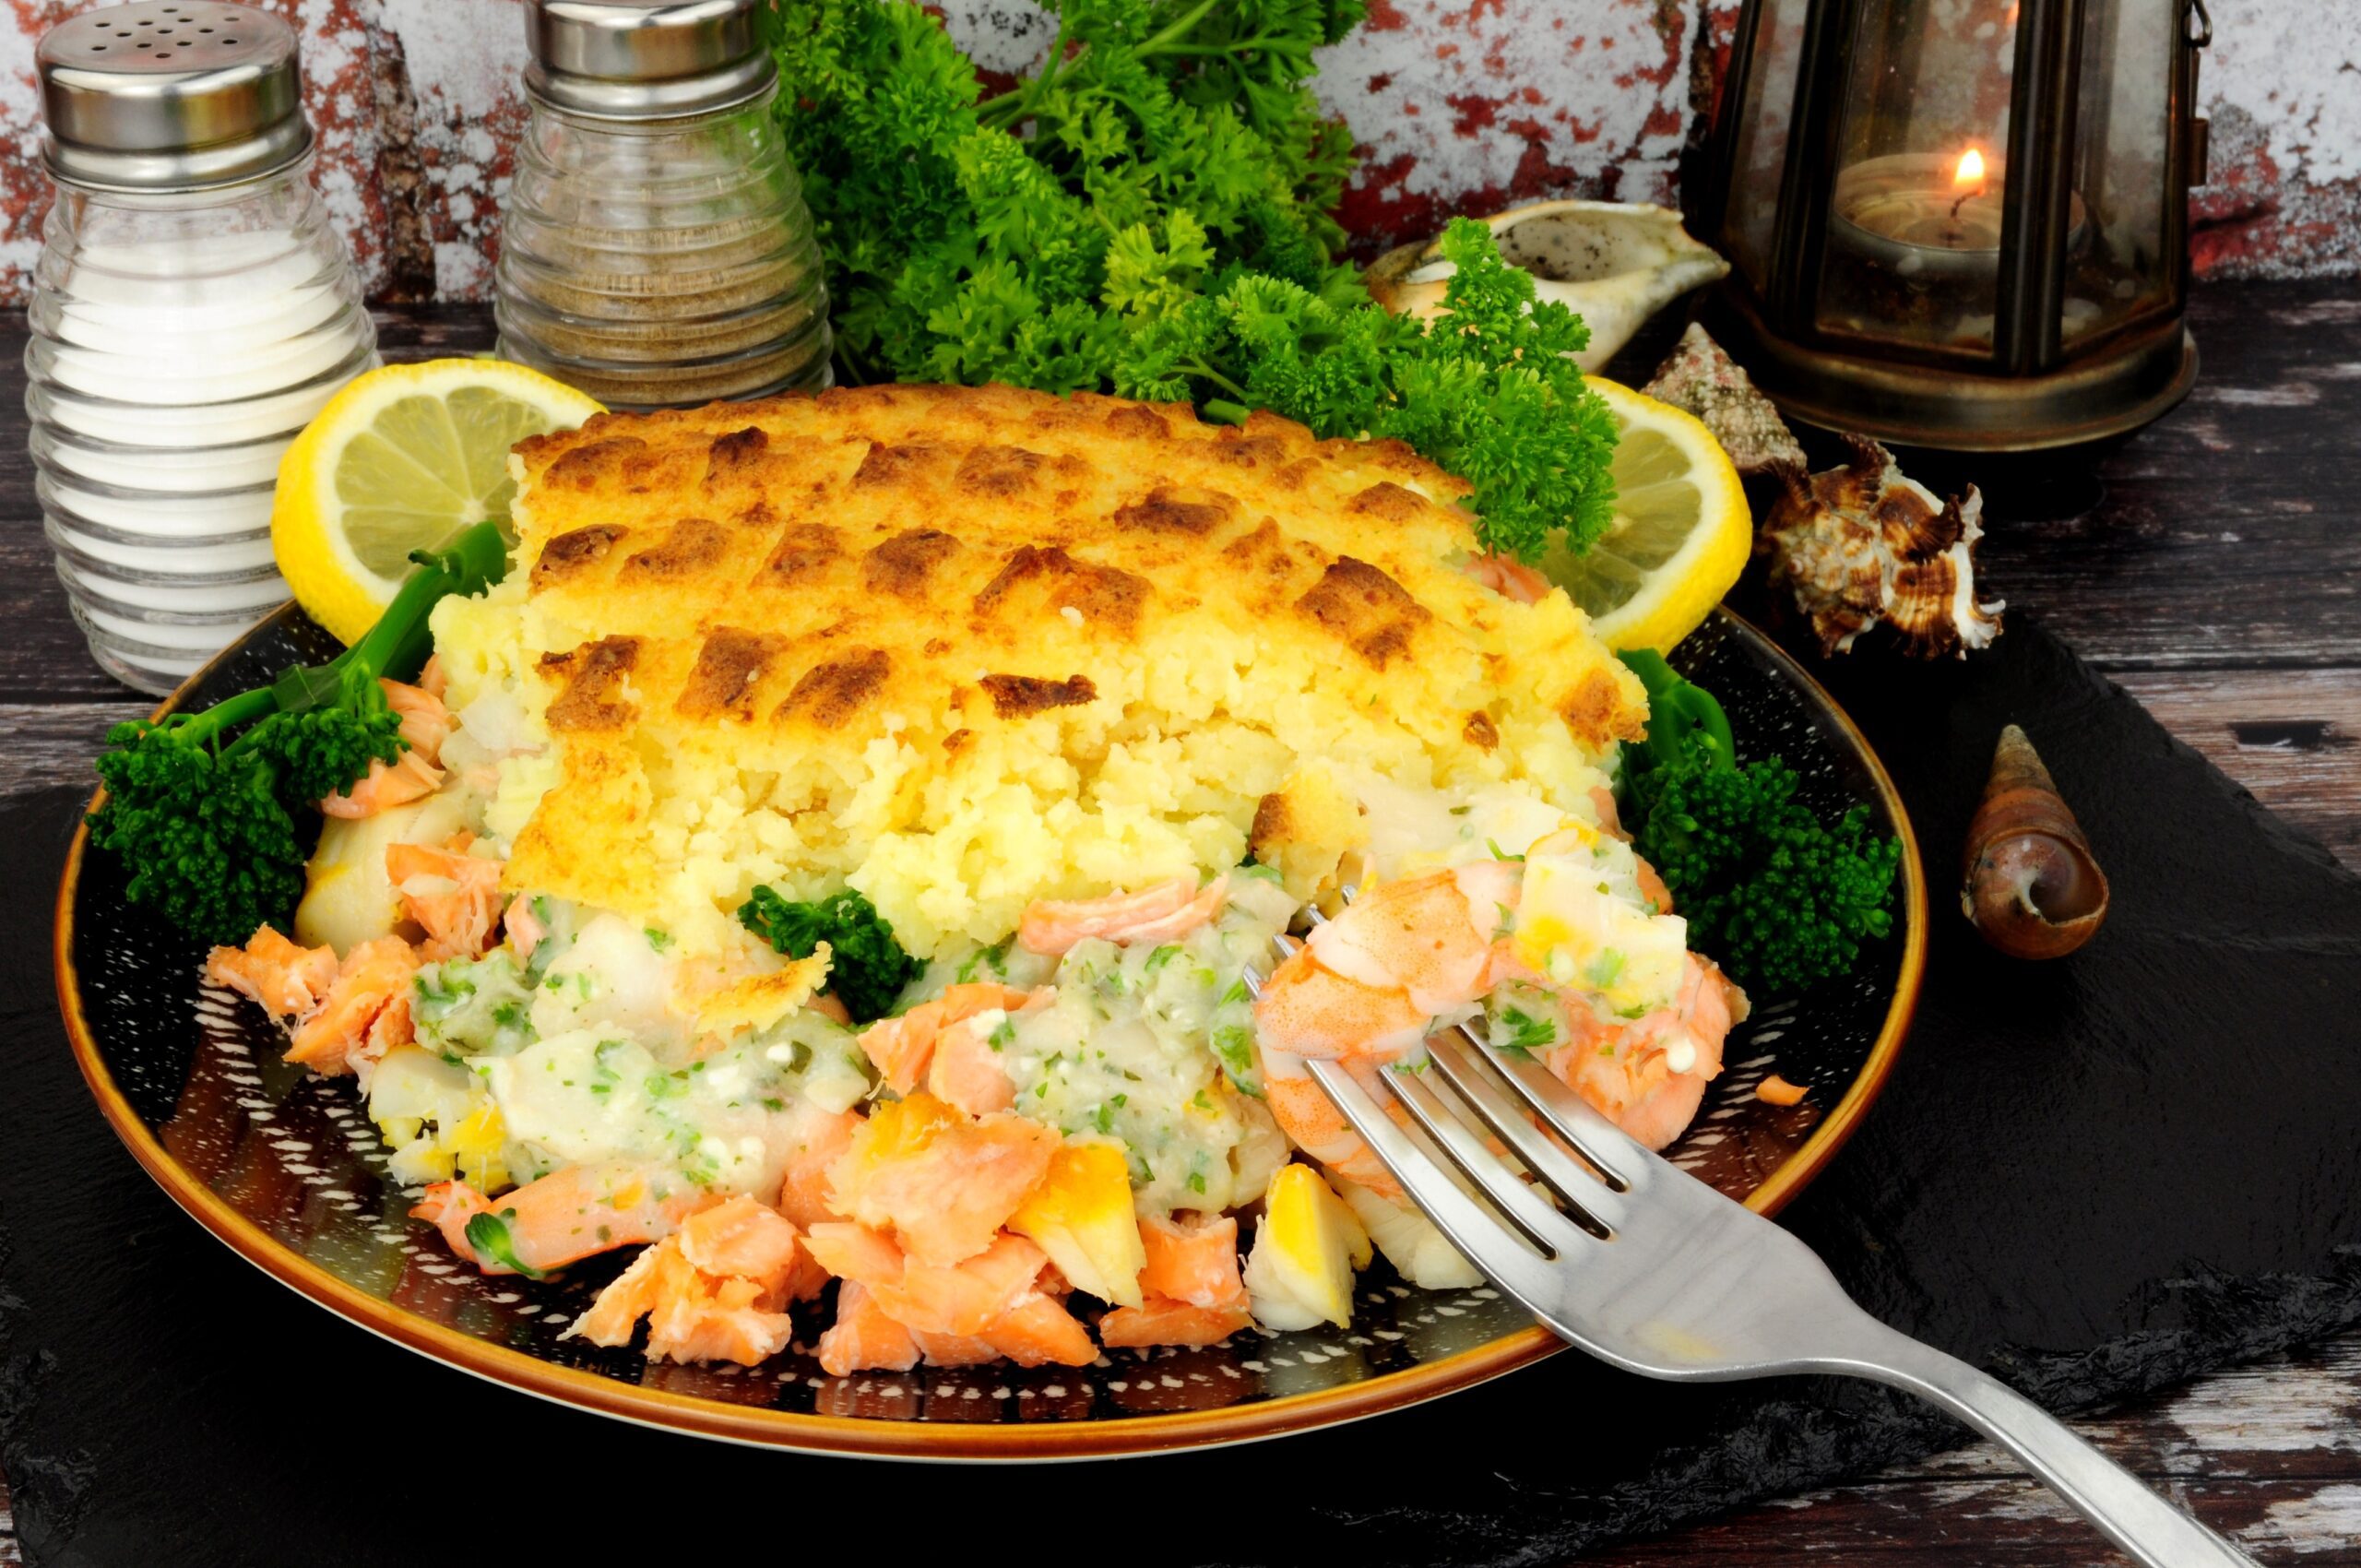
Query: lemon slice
[400, 460]
[1681, 532]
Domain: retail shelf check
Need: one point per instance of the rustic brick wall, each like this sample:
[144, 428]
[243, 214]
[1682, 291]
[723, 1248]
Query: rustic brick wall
[1459, 104]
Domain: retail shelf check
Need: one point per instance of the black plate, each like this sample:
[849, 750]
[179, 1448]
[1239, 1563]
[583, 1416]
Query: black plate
[288, 1170]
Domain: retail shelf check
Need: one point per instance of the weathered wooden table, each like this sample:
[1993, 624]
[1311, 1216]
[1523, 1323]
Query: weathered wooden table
[2211, 566]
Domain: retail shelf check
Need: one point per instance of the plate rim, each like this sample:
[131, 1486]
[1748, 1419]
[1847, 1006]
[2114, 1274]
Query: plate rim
[857, 1436]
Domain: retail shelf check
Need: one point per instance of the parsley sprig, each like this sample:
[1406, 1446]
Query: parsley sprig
[1147, 215]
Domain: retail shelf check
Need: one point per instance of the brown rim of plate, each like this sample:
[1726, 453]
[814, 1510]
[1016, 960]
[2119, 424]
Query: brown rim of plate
[1112, 1438]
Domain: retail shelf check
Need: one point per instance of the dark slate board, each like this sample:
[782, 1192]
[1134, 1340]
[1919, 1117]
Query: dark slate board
[2099, 1177]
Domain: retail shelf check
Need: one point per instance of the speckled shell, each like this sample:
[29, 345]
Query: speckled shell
[1864, 544]
[1698, 377]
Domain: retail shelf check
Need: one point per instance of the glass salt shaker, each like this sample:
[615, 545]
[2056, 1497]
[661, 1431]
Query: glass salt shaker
[192, 310]
[656, 250]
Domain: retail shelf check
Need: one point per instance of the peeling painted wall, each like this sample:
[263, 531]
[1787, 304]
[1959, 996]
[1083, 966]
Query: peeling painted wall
[1458, 105]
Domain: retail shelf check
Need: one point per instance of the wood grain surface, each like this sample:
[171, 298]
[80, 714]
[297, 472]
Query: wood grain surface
[2211, 566]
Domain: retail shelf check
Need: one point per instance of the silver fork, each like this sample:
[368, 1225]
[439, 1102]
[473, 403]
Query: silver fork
[1646, 1268]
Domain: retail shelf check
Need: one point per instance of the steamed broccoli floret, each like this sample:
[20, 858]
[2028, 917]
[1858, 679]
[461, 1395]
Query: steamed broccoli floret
[206, 824]
[867, 967]
[1779, 899]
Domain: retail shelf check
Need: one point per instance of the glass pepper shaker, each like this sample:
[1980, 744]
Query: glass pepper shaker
[192, 310]
[656, 250]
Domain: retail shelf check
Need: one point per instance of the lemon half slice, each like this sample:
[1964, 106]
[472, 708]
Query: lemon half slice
[400, 460]
[1681, 532]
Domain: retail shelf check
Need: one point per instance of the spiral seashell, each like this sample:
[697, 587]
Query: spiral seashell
[1864, 544]
[2028, 879]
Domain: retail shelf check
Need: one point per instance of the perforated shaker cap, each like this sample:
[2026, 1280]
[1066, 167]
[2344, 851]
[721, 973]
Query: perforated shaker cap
[644, 59]
[167, 95]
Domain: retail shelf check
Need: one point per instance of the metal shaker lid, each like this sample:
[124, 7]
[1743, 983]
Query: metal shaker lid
[169, 95]
[646, 59]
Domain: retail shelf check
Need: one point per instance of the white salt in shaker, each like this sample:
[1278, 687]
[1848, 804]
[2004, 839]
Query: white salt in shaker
[192, 310]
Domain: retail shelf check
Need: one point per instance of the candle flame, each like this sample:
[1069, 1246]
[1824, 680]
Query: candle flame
[1971, 170]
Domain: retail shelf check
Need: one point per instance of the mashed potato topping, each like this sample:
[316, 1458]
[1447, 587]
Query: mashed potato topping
[968, 648]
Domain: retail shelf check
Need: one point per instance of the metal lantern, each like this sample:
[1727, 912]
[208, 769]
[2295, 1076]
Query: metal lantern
[1960, 223]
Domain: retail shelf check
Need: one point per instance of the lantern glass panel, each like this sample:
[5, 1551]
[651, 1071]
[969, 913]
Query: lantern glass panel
[1760, 154]
[1914, 212]
[2122, 129]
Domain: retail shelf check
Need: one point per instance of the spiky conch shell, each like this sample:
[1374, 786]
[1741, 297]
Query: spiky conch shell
[1864, 544]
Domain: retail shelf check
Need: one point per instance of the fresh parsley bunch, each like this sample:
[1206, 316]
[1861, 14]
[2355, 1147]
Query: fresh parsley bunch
[1148, 216]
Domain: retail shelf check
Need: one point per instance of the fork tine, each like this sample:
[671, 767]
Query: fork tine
[1507, 1191]
[1582, 1183]
[1468, 1225]
[1617, 1154]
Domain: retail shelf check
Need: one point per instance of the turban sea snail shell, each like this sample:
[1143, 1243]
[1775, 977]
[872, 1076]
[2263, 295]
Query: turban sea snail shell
[2030, 883]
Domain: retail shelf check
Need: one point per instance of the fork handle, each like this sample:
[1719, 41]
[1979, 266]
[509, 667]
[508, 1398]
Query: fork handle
[2125, 1508]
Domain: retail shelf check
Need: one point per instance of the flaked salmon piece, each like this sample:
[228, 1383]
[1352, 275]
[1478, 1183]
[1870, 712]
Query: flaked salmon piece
[965, 1297]
[522, 928]
[955, 1349]
[386, 786]
[566, 1216]
[455, 896]
[434, 680]
[803, 1185]
[863, 1337]
[965, 1070]
[373, 979]
[962, 1299]
[612, 1318]
[1160, 1320]
[1037, 1332]
[714, 1290]
[1195, 1262]
[944, 1184]
[425, 722]
[1166, 912]
[698, 1318]
[902, 1046]
[746, 1238]
[283, 977]
[855, 1252]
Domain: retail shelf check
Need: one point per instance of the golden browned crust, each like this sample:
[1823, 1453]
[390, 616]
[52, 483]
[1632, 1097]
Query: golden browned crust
[931, 564]
[1013, 697]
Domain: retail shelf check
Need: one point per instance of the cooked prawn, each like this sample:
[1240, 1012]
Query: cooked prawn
[455, 896]
[285, 979]
[1648, 1076]
[365, 1012]
[568, 1214]
[1372, 982]
[1314, 1124]
[1166, 912]
[1510, 578]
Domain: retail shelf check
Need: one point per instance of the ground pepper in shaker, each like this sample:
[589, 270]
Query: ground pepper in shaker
[656, 251]
[192, 310]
